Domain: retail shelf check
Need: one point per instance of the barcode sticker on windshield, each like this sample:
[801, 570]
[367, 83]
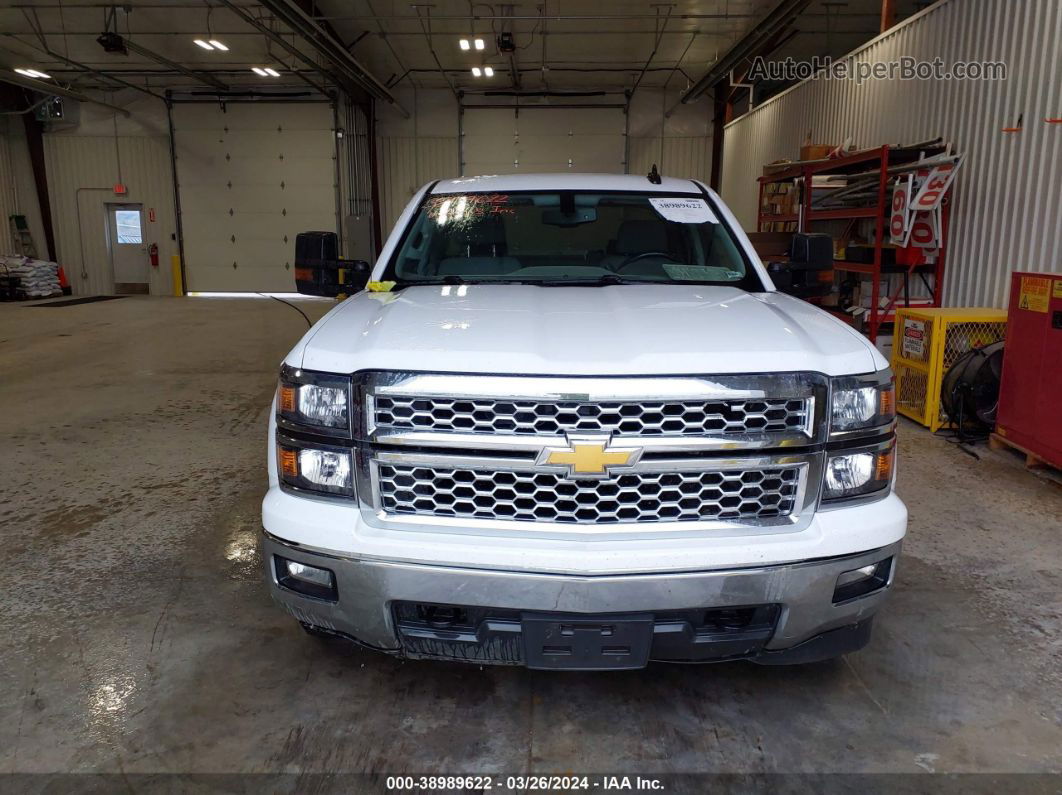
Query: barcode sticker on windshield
[684, 211]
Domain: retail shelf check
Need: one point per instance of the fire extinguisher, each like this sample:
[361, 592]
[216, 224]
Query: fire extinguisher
[153, 252]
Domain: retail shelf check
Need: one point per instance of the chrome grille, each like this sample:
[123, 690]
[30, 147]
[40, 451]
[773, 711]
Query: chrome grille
[558, 417]
[529, 496]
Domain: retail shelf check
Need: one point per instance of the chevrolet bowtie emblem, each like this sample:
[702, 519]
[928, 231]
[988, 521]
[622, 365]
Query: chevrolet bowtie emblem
[590, 457]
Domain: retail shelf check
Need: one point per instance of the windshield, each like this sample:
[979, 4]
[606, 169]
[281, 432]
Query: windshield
[564, 237]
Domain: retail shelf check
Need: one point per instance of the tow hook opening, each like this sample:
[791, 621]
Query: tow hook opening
[442, 616]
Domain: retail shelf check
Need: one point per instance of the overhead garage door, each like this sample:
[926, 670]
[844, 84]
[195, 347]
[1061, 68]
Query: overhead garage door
[505, 141]
[250, 177]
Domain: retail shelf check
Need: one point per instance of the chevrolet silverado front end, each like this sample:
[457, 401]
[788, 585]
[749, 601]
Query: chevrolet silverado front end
[572, 425]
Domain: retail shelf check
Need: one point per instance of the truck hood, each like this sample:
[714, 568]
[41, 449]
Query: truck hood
[615, 330]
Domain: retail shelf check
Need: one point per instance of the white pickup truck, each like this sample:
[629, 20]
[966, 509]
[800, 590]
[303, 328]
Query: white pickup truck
[571, 424]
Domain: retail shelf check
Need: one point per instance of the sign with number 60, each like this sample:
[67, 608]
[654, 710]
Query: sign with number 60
[899, 218]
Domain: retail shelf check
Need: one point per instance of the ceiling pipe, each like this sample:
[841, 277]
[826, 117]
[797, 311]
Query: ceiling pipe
[206, 79]
[303, 24]
[386, 37]
[105, 76]
[777, 18]
[88, 69]
[559, 106]
[455, 17]
[48, 88]
[400, 34]
[277, 39]
[434, 55]
[652, 55]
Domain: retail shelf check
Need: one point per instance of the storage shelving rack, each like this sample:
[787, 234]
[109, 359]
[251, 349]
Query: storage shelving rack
[878, 160]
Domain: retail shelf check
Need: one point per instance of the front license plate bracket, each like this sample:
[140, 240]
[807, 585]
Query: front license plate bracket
[563, 642]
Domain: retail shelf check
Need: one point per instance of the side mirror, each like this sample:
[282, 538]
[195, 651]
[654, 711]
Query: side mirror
[780, 275]
[811, 252]
[354, 275]
[320, 271]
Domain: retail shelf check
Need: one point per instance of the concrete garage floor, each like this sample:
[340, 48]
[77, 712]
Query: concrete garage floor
[136, 635]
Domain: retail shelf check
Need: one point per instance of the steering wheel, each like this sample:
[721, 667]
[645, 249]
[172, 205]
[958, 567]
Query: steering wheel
[635, 257]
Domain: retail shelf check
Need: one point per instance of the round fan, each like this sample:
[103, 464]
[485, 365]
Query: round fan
[970, 391]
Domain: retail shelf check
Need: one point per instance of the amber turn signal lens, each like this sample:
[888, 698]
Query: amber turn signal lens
[888, 402]
[288, 462]
[304, 274]
[883, 469]
[286, 399]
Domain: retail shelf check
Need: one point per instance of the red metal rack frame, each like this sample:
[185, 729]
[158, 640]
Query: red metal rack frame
[878, 315]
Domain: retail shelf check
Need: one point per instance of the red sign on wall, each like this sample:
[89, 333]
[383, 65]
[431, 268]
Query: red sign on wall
[151, 214]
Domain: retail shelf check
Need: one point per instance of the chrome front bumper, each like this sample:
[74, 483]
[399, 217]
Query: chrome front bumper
[368, 590]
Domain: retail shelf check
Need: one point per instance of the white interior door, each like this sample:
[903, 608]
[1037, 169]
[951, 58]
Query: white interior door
[250, 177]
[504, 141]
[129, 255]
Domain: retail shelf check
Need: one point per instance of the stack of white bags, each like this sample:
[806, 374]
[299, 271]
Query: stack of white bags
[37, 278]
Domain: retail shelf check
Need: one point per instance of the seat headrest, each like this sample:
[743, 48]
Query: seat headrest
[485, 236]
[638, 237]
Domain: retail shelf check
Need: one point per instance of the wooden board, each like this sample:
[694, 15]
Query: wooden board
[1032, 460]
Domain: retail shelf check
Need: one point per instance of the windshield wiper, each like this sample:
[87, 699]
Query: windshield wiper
[446, 280]
[602, 281]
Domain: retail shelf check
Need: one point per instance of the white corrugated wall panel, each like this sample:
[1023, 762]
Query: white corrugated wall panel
[82, 171]
[687, 157]
[8, 199]
[405, 164]
[642, 153]
[1005, 215]
[682, 157]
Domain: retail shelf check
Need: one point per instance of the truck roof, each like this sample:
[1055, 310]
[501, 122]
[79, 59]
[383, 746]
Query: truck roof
[564, 181]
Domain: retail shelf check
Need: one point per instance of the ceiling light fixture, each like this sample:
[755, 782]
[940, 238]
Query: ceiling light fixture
[203, 44]
[259, 71]
[488, 71]
[218, 45]
[464, 44]
[34, 73]
[477, 72]
[479, 44]
[272, 72]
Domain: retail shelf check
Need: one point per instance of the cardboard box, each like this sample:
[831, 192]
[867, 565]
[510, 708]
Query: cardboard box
[816, 151]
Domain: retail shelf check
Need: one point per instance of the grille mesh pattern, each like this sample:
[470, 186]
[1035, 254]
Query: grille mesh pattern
[553, 418]
[548, 497]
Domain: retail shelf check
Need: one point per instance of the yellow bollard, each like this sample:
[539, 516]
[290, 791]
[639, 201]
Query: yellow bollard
[175, 270]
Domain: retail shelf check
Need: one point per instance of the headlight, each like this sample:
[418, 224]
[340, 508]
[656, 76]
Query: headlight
[311, 468]
[861, 402]
[859, 473]
[314, 400]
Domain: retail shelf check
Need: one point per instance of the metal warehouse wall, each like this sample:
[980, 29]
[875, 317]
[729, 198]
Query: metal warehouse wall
[18, 193]
[680, 144]
[8, 197]
[355, 182]
[82, 170]
[424, 147]
[1007, 195]
[405, 164]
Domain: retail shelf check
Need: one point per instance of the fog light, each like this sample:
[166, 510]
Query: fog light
[305, 579]
[862, 581]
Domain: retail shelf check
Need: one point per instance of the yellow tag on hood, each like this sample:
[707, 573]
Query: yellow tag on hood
[380, 287]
